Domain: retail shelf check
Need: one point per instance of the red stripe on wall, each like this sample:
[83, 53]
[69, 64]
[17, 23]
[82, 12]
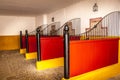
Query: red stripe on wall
[51, 47]
[32, 44]
[23, 42]
[89, 55]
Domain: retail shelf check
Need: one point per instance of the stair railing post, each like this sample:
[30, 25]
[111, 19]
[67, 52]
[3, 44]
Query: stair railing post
[26, 39]
[38, 45]
[21, 40]
[66, 52]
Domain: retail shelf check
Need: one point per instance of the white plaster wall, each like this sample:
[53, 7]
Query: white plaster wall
[83, 10]
[11, 25]
[39, 20]
[59, 16]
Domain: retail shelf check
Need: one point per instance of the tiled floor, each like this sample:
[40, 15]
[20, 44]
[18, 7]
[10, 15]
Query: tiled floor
[13, 66]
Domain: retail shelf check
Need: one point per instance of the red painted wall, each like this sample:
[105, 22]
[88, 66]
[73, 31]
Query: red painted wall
[32, 44]
[47, 40]
[89, 55]
[51, 47]
[23, 42]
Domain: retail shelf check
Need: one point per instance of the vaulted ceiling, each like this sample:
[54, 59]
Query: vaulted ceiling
[32, 7]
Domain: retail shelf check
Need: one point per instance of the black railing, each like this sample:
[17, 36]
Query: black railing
[74, 27]
[38, 28]
[50, 29]
[107, 27]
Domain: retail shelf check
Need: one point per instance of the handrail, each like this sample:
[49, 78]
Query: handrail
[48, 26]
[97, 25]
[60, 28]
[66, 22]
[34, 31]
[100, 21]
[46, 30]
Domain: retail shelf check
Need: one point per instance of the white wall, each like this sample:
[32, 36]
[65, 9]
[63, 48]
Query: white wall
[11, 25]
[83, 10]
[59, 16]
[41, 20]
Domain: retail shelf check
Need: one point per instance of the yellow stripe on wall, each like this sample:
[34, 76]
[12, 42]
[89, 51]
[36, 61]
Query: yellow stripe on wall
[32, 55]
[23, 51]
[51, 63]
[11, 42]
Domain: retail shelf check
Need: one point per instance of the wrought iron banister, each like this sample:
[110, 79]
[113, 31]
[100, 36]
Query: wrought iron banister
[107, 27]
[38, 28]
[74, 26]
[47, 30]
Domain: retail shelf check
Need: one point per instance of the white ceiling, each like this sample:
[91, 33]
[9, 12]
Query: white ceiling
[32, 7]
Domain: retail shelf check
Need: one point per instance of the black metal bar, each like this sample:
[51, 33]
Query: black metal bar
[87, 38]
[86, 35]
[21, 40]
[38, 45]
[66, 52]
[26, 39]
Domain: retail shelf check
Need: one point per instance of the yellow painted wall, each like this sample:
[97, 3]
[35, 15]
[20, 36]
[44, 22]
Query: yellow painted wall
[9, 42]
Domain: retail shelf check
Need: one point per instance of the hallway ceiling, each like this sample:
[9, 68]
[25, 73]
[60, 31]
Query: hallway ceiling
[32, 7]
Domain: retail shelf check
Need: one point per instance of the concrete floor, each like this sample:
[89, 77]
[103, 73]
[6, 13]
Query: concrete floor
[117, 77]
[13, 66]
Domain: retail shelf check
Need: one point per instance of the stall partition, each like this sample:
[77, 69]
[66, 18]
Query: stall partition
[97, 51]
[50, 50]
[89, 55]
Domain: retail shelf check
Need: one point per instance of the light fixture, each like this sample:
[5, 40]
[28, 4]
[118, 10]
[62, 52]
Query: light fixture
[53, 19]
[95, 7]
